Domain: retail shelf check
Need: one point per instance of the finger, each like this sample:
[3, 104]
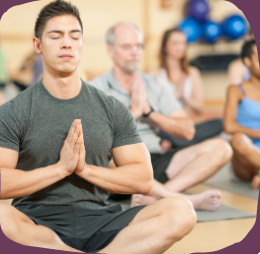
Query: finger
[78, 144]
[63, 144]
[134, 90]
[75, 136]
[72, 130]
[82, 135]
[80, 131]
[82, 149]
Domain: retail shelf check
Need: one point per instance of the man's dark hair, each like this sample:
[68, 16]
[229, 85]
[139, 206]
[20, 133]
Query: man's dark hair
[247, 49]
[54, 9]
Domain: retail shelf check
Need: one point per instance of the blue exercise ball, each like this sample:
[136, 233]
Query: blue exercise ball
[198, 9]
[234, 27]
[192, 29]
[211, 31]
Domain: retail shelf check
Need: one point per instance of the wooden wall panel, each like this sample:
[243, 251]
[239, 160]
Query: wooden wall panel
[17, 24]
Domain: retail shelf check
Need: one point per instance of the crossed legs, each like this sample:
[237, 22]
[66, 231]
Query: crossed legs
[246, 163]
[195, 164]
[153, 230]
[188, 167]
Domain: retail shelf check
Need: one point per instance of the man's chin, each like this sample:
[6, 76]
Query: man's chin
[66, 71]
[131, 69]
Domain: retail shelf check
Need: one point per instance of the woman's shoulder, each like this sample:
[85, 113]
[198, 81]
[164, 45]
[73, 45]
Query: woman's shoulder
[194, 71]
[236, 91]
[237, 63]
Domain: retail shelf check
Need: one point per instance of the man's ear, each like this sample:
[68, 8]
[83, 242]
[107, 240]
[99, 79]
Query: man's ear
[37, 45]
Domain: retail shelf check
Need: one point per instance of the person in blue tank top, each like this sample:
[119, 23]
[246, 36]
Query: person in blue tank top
[242, 119]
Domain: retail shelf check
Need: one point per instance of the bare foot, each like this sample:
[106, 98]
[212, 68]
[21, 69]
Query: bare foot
[207, 200]
[255, 182]
[165, 145]
[138, 199]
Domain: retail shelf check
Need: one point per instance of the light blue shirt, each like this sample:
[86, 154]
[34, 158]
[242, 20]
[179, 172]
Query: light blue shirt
[160, 98]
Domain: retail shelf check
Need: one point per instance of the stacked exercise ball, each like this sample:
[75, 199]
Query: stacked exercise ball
[212, 31]
[192, 29]
[198, 9]
[234, 27]
[197, 25]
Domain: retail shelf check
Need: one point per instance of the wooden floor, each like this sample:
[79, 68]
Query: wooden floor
[212, 236]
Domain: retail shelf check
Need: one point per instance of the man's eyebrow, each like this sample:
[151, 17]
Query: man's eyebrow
[60, 32]
[54, 31]
[75, 31]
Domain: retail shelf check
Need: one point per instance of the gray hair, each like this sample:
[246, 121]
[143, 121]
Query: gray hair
[110, 34]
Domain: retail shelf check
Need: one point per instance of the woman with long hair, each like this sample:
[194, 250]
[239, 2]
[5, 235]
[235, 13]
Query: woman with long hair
[184, 79]
[186, 84]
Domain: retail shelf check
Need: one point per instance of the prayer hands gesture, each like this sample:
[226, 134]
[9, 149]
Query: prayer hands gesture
[139, 101]
[72, 154]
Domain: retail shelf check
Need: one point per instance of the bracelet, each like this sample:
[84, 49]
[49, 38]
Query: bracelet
[149, 113]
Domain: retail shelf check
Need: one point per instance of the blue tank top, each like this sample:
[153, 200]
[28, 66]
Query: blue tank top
[247, 74]
[248, 115]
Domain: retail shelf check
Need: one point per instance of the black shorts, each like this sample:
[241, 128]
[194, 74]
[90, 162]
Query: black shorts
[160, 163]
[83, 229]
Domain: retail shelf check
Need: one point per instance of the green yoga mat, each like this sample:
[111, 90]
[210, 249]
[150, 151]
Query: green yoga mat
[222, 213]
[225, 179]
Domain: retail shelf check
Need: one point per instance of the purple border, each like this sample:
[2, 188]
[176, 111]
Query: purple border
[250, 244]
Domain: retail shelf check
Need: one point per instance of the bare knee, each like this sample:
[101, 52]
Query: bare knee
[241, 143]
[6, 222]
[10, 218]
[5, 212]
[224, 149]
[221, 148]
[180, 217]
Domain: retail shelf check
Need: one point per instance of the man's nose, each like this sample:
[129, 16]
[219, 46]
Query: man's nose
[135, 51]
[66, 42]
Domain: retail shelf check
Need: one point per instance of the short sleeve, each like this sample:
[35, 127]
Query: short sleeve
[10, 125]
[125, 130]
[167, 101]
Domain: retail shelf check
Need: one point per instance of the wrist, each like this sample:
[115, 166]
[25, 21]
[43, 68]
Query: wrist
[146, 115]
[60, 169]
[147, 109]
[85, 172]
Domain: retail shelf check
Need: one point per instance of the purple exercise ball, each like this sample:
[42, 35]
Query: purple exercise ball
[198, 9]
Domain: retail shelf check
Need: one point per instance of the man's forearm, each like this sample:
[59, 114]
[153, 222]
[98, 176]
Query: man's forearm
[128, 179]
[17, 183]
[179, 127]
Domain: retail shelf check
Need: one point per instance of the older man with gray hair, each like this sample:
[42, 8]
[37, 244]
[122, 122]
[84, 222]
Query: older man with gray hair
[154, 107]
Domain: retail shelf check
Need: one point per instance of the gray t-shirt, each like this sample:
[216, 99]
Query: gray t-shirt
[159, 95]
[35, 124]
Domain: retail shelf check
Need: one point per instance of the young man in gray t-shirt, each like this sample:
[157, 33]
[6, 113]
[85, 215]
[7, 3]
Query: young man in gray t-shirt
[56, 141]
